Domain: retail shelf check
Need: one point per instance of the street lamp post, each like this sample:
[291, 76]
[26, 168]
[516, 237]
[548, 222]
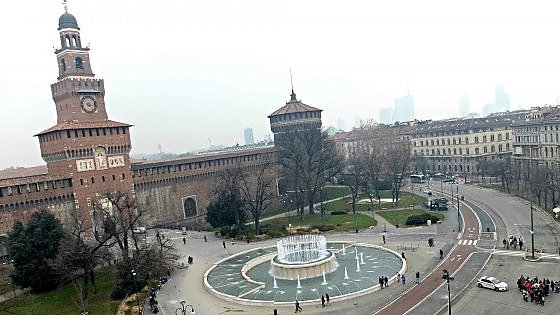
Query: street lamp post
[184, 308]
[137, 300]
[458, 214]
[532, 235]
[412, 196]
[448, 278]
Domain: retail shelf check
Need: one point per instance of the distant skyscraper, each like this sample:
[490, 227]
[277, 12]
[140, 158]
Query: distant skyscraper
[248, 132]
[404, 108]
[502, 98]
[464, 106]
[386, 115]
[501, 103]
[340, 124]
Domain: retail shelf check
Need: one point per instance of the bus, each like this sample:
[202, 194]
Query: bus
[417, 178]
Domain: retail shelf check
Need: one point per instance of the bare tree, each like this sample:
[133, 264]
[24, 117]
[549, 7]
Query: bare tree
[308, 161]
[116, 216]
[257, 191]
[228, 188]
[398, 158]
[355, 178]
[78, 256]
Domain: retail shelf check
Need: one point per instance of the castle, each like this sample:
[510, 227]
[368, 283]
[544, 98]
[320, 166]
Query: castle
[87, 155]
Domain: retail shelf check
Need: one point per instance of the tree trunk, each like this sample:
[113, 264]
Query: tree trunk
[85, 292]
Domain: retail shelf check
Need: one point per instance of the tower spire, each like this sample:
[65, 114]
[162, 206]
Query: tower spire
[65, 6]
[293, 95]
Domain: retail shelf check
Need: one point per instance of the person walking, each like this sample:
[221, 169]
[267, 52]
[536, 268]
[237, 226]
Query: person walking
[386, 281]
[328, 298]
[184, 240]
[298, 308]
[520, 244]
[224, 243]
[398, 277]
[504, 242]
[205, 239]
[417, 277]
[440, 254]
[322, 300]
[383, 238]
[402, 255]
[403, 278]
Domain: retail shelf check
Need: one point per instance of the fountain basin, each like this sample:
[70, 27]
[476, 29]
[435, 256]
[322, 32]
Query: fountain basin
[293, 271]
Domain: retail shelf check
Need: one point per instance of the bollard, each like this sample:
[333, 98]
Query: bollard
[487, 229]
[275, 312]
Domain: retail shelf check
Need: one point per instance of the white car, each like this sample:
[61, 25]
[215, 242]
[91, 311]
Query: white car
[492, 283]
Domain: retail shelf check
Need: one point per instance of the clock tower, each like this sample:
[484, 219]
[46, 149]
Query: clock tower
[84, 145]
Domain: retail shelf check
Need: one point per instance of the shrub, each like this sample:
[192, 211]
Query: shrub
[419, 219]
[323, 227]
[338, 212]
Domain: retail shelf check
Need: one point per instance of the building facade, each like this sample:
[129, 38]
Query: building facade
[87, 156]
[536, 139]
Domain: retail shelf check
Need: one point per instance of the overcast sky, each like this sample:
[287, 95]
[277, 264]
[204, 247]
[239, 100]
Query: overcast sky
[183, 72]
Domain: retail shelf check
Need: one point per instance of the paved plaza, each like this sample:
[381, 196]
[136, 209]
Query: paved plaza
[468, 256]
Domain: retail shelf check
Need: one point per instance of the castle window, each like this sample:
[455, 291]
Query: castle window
[114, 177]
[79, 63]
[102, 178]
[122, 175]
[81, 181]
[92, 180]
[63, 65]
[97, 132]
[124, 131]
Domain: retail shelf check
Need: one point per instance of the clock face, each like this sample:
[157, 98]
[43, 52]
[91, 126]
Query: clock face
[88, 103]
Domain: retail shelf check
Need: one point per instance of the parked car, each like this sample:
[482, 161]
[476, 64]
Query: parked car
[139, 230]
[492, 283]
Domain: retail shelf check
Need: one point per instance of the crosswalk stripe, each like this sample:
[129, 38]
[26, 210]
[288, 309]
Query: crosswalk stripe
[474, 243]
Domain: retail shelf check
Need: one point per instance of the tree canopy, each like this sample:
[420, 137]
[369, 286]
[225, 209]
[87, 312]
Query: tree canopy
[31, 247]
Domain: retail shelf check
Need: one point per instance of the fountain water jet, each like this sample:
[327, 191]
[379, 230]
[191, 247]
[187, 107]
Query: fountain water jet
[302, 256]
[324, 278]
[298, 283]
[357, 265]
[275, 286]
[343, 250]
[362, 259]
[346, 274]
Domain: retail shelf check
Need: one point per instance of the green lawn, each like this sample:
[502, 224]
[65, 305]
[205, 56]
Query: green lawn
[346, 222]
[405, 201]
[398, 217]
[65, 300]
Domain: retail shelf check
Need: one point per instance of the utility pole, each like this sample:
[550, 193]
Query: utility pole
[448, 278]
[532, 235]
[458, 213]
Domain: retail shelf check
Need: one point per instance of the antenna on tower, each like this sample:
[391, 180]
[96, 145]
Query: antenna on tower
[65, 6]
[293, 95]
[291, 80]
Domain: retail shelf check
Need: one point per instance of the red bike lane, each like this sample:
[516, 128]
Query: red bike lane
[432, 281]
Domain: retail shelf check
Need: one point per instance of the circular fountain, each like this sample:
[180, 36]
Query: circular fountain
[302, 257]
[302, 268]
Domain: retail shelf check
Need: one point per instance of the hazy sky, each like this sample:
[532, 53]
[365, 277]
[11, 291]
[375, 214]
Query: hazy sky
[185, 71]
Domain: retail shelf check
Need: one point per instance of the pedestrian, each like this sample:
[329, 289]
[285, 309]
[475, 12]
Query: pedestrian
[232, 241]
[184, 240]
[403, 278]
[417, 277]
[328, 298]
[298, 308]
[520, 244]
[386, 281]
[504, 242]
[398, 277]
[440, 254]
[383, 238]
[224, 243]
[381, 282]
[205, 239]
[322, 300]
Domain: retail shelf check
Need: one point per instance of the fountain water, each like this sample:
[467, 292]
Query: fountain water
[343, 250]
[362, 259]
[302, 249]
[298, 283]
[357, 265]
[302, 256]
[275, 286]
[324, 278]
[356, 252]
[346, 274]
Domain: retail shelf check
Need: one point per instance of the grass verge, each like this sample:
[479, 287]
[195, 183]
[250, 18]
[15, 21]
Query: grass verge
[398, 217]
[64, 300]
